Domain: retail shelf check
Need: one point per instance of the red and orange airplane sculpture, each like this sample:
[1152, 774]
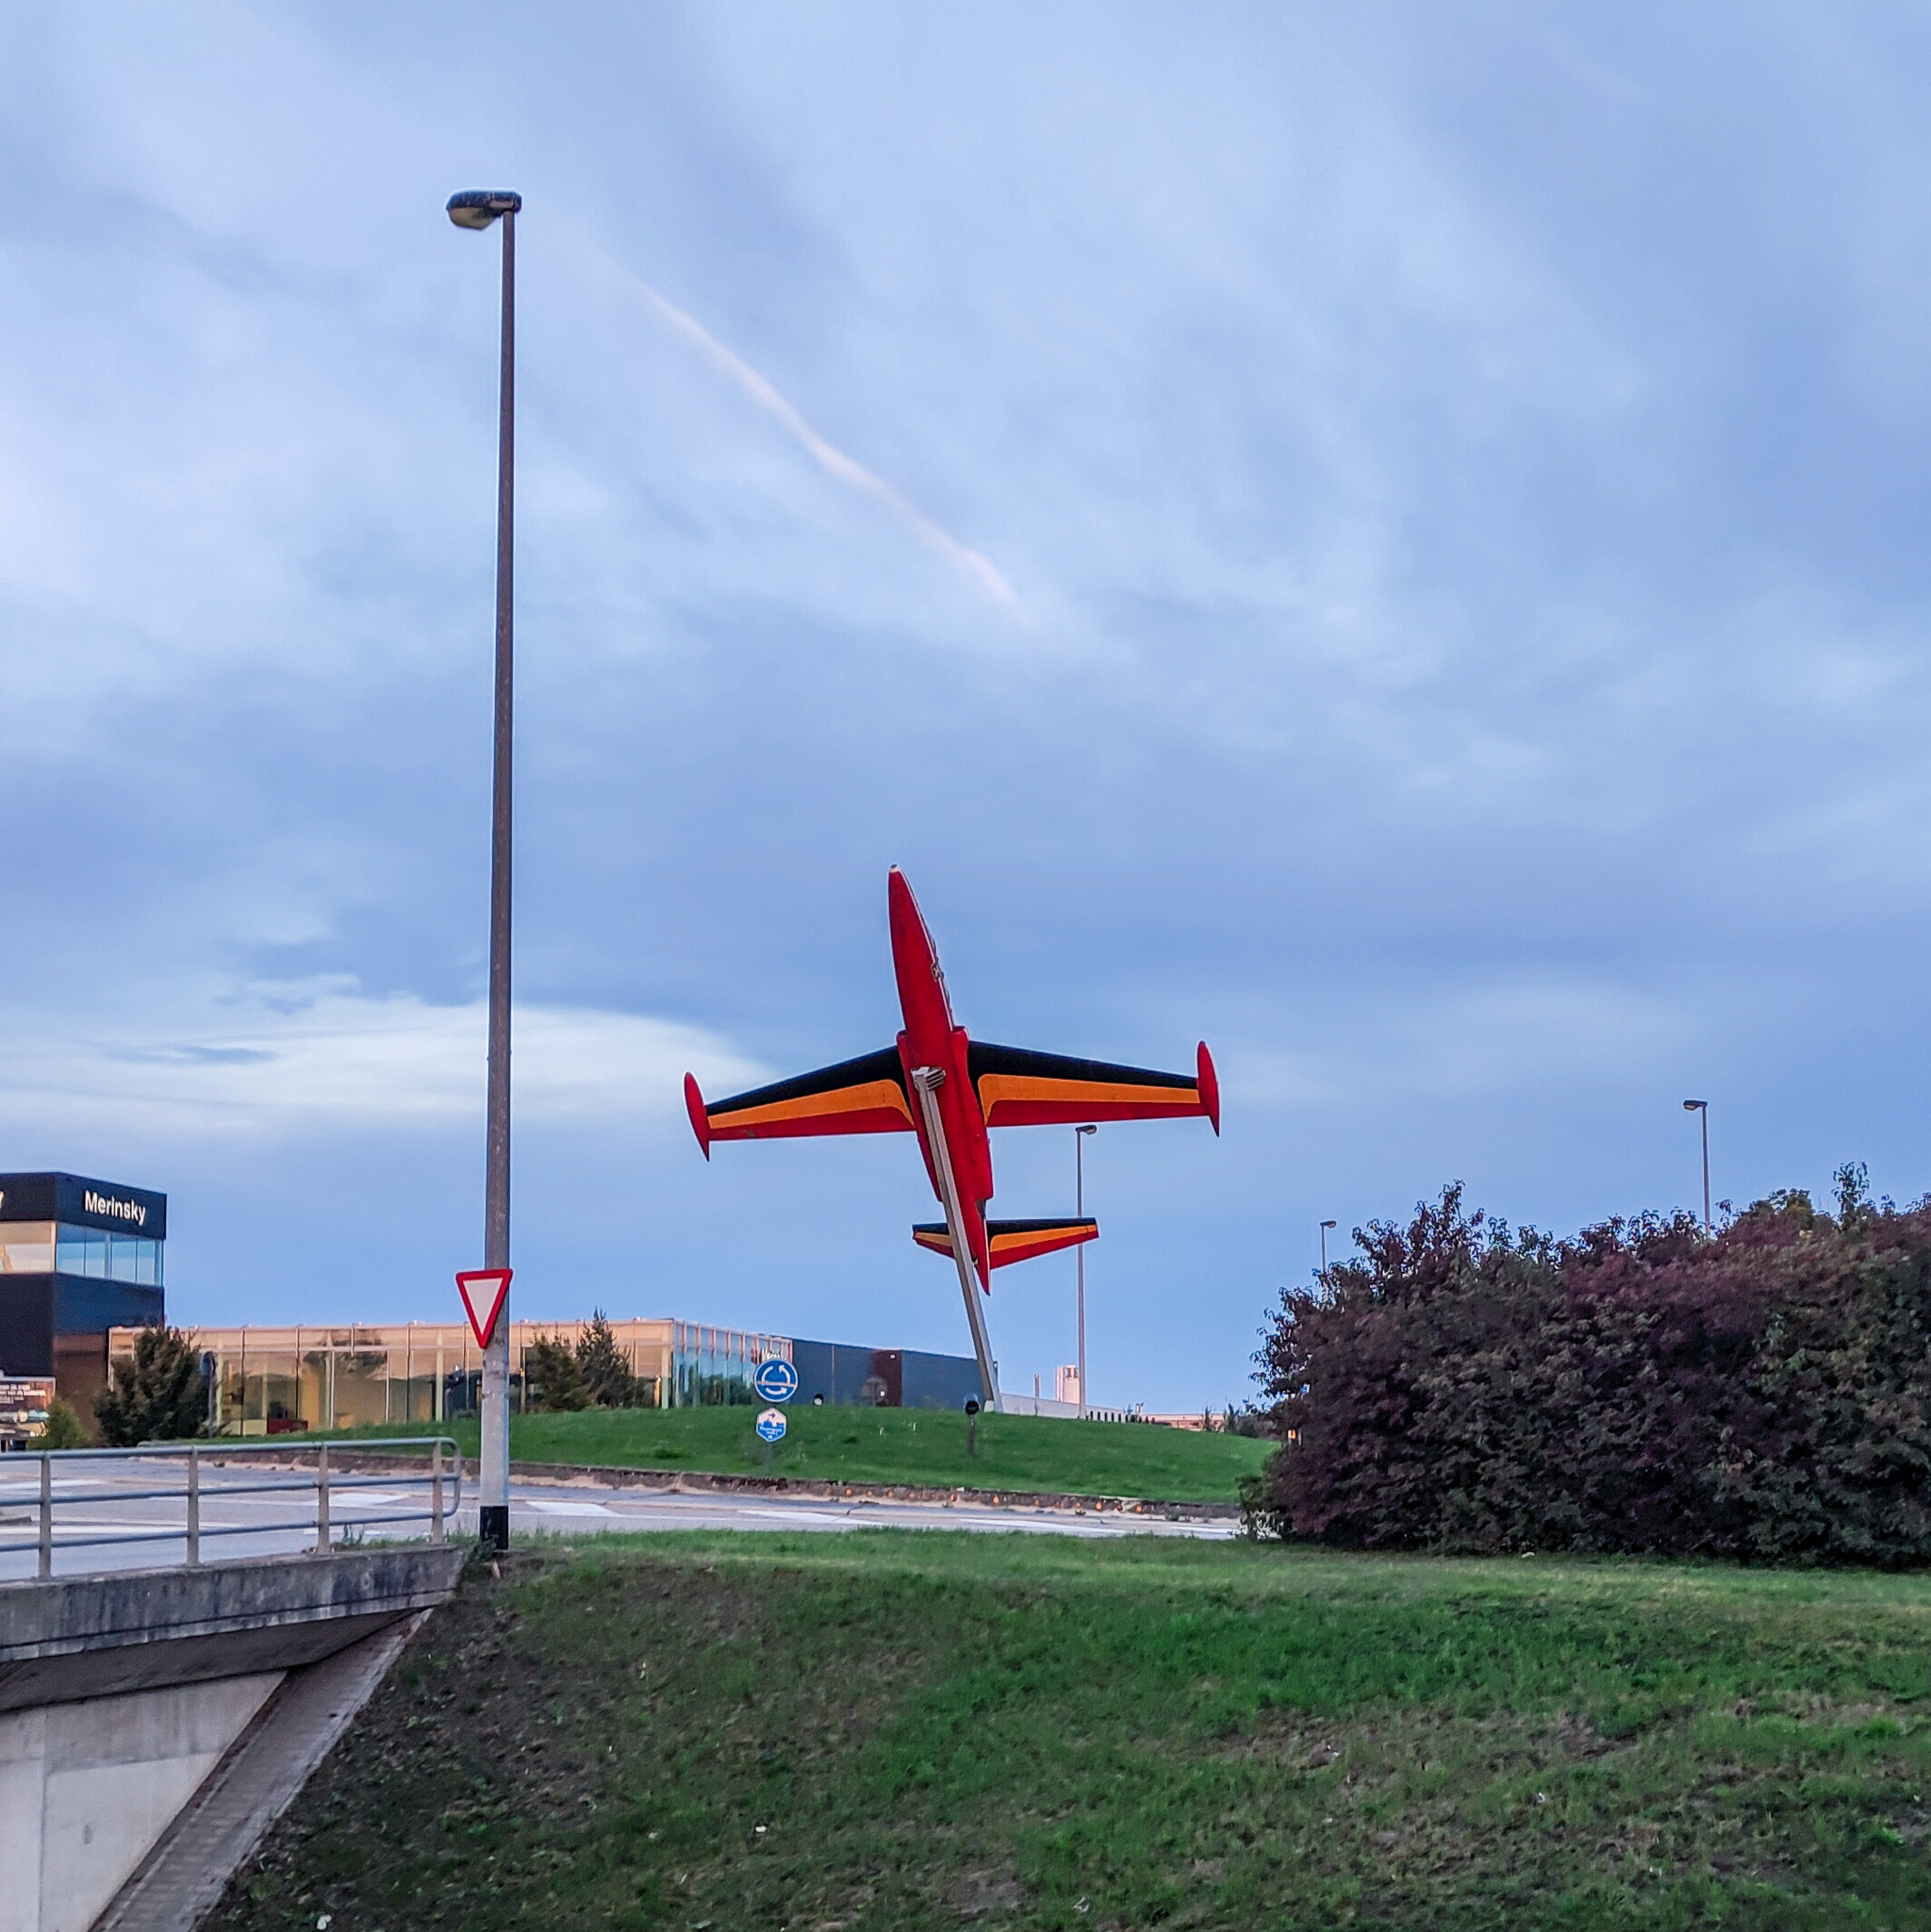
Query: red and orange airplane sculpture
[948, 1090]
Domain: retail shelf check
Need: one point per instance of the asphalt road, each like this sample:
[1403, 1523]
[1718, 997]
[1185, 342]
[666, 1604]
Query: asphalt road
[102, 1523]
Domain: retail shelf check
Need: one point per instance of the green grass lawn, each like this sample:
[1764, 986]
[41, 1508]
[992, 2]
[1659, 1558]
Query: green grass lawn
[922, 1445]
[893, 1729]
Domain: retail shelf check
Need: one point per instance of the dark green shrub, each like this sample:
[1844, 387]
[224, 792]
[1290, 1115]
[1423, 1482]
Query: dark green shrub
[551, 1378]
[607, 1378]
[158, 1396]
[63, 1429]
[1764, 1393]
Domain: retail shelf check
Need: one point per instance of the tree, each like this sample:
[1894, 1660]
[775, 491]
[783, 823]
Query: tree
[158, 1396]
[607, 1378]
[63, 1429]
[552, 1379]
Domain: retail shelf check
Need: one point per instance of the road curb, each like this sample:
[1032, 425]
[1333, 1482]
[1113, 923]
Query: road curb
[343, 1455]
[701, 1482]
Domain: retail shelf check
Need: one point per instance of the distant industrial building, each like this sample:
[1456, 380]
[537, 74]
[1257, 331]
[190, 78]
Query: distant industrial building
[884, 1377]
[77, 1259]
[270, 1380]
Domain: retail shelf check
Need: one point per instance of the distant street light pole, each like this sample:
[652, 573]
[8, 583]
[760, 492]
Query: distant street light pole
[1079, 1134]
[1325, 1226]
[1702, 1107]
[479, 208]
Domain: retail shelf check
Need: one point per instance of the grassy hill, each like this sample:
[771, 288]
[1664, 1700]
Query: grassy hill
[921, 1445]
[889, 1729]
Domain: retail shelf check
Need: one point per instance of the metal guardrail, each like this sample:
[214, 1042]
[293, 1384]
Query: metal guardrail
[204, 1476]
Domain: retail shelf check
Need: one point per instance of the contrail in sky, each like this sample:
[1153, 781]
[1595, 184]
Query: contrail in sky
[982, 571]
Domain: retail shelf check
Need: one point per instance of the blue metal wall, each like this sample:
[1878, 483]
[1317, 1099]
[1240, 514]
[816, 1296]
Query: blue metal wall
[939, 1381]
[898, 1377]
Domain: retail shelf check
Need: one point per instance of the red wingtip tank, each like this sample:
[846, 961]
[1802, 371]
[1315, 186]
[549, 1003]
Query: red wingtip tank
[700, 1118]
[1210, 1087]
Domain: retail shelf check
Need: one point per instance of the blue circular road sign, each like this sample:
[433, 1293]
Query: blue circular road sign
[771, 1425]
[776, 1380]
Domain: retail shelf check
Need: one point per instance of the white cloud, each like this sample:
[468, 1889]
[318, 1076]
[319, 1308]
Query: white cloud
[276, 1059]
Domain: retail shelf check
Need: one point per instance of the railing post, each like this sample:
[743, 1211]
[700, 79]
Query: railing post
[321, 1535]
[46, 1514]
[436, 1492]
[193, 1508]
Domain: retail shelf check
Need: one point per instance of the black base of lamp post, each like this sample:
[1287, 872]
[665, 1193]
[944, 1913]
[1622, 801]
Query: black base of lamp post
[493, 1530]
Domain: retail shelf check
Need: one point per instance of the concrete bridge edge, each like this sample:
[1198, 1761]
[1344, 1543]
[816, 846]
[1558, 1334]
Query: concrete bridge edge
[186, 1871]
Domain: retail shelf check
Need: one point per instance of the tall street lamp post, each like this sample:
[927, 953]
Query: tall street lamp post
[1325, 1226]
[479, 208]
[1079, 1134]
[1702, 1107]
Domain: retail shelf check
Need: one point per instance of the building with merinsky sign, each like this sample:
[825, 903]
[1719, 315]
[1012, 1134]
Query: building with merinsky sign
[77, 1258]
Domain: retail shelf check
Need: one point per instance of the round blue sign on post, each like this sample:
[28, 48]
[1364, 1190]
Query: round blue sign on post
[776, 1380]
[771, 1425]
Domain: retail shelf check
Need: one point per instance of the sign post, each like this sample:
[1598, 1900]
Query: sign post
[479, 209]
[485, 1291]
[776, 1380]
[771, 1429]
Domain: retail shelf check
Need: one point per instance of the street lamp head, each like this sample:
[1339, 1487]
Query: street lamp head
[1330, 1224]
[1691, 1106]
[478, 207]
[1086, 1130]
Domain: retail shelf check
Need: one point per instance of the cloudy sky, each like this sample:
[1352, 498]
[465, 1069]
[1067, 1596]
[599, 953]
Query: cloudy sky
[1389, 539]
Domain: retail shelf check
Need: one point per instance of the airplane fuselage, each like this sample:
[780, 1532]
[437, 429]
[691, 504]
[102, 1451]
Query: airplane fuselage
[932, 1038]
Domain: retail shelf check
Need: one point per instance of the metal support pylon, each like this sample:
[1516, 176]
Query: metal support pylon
[928, 1079]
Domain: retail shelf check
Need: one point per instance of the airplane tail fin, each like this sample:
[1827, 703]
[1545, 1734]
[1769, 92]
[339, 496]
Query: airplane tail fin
[1013, 1241]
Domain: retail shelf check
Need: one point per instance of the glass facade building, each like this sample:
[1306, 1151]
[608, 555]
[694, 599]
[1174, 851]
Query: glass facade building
[273, 1380]
[712, 1366]
[77, 1258]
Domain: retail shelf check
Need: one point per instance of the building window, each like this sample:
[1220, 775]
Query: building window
[134, 1258]
[83, 1251]
[26, 1247]
[102, 1257]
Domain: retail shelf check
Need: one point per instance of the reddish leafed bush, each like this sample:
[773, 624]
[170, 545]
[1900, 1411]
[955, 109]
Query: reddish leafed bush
[1761, 1393]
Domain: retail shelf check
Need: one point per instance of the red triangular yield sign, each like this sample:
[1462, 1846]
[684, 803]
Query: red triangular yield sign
[484, 1291]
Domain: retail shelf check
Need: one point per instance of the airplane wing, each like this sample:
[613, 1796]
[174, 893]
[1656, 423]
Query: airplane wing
[863, 1095]
[1012, 1241]
[1017, 1088]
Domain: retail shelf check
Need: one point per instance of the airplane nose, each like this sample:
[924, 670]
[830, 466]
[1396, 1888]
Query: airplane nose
[915, 965]
[911, 941]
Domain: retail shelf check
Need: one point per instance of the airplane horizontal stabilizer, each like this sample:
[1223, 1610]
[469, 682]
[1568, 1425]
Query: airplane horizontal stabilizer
[1018, 1089]
[1013, 1241]
[863, 1095]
